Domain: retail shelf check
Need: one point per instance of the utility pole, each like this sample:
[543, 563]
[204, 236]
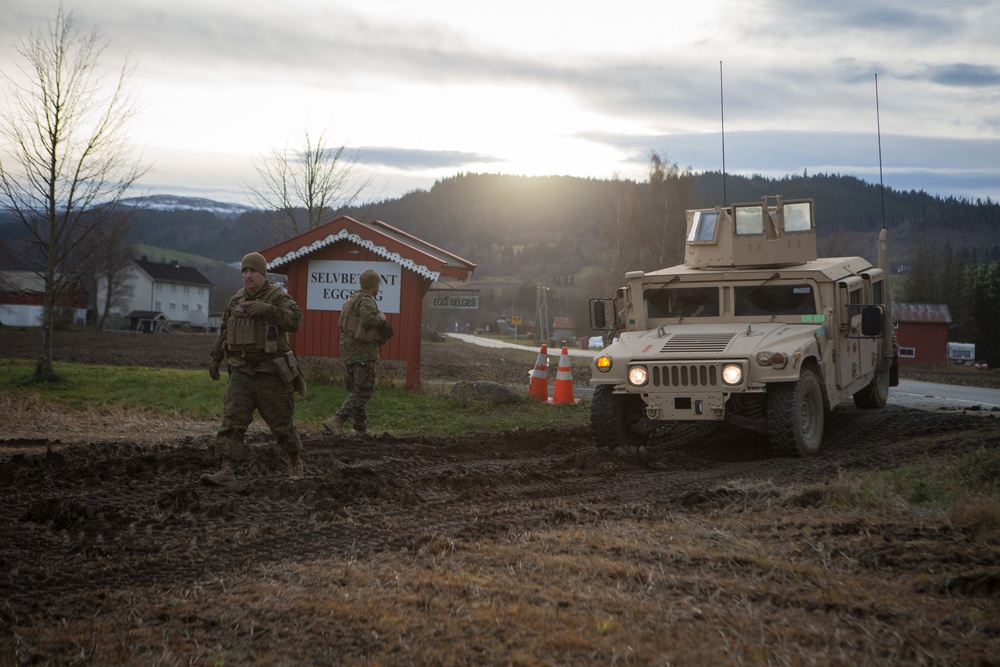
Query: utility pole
[542, 313]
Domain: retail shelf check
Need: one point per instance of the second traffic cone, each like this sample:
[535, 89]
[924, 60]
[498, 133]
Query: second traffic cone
[564, 380]
[539, 386]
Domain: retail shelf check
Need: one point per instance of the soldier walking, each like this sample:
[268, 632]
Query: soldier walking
[263, 371]
[361, 333]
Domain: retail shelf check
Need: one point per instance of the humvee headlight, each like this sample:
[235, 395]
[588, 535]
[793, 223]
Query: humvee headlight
[603, 363]
[732, 374]
[637, 375]
[778, 361]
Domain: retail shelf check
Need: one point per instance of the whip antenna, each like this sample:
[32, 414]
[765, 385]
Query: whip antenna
[878, 126]
[722, 104]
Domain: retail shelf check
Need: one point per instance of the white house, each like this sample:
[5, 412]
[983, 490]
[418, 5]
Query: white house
[163, 293]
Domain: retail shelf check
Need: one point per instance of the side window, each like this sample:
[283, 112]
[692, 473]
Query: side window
[877, 297]
[854, 299]
[704, 227]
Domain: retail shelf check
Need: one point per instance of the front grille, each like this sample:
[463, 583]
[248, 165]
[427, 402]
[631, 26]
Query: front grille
[685, 375]
[700, 342]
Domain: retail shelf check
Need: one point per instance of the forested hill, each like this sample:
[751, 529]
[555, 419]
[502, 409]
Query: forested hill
[571, 220]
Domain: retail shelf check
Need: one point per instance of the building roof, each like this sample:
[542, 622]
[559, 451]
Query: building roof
[147, 315]
[378, 237]
[922, 313]
[21, 281]
[172, 273]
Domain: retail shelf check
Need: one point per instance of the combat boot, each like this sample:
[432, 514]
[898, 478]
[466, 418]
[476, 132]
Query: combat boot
[335, 425]
[226, 476]
[295, 469]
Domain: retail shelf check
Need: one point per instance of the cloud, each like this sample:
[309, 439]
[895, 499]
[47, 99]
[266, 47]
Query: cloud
[963, 167]
[409, 159]
[964, 75]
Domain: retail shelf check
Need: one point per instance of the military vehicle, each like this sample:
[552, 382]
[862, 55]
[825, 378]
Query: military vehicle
[753, 329]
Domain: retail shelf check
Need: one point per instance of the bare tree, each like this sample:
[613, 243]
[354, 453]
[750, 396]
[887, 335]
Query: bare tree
[302, 189]
[650, 218]
[66, 162]
[108, 271]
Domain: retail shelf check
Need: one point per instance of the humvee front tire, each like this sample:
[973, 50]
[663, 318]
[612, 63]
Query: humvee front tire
[875, 395]
[795, 415]
[612, 417]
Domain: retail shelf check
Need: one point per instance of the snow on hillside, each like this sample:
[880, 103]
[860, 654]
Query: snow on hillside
[176, 203]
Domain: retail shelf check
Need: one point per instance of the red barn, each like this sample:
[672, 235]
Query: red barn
[323, 265]
[922, 332]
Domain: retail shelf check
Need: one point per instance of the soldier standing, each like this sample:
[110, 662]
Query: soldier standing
[361, 334]
[263, 371]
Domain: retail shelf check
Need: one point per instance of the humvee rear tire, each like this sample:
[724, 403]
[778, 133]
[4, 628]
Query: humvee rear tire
[612, 416]
[875, 395]
[795, 415]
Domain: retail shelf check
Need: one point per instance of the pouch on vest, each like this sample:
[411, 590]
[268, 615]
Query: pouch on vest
[285, 371]
[241, 334]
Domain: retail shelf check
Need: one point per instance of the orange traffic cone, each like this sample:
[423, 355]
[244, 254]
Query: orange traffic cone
[539, 387]
[564, 380]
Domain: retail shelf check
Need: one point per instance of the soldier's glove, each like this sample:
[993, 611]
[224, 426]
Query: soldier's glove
[213, 369]
[259, 309]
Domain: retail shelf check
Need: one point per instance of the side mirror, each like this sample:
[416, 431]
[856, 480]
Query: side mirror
[871, 321]
[598, 318]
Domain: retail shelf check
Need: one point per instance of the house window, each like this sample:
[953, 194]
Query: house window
[907, 353]
[187, 289]
[199, 307]
[173, 307]
[159, 286]
[173, 288]
[185, 308]
[159, 305]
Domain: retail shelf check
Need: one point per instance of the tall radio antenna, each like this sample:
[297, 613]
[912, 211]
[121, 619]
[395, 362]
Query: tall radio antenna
[878, 126]
[722, 104]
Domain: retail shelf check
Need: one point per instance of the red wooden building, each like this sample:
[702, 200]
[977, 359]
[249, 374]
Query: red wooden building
[323, 265]
[922, 332]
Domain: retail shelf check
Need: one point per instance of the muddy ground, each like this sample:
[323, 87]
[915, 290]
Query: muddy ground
[524, 548]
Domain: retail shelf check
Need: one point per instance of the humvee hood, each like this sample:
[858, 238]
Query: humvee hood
[722, 340]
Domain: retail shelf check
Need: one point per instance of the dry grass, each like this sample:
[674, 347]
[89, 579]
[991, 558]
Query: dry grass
[31, 418]
[767, 588]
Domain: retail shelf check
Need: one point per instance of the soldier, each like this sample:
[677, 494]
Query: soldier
[263, 372]
[361, 334]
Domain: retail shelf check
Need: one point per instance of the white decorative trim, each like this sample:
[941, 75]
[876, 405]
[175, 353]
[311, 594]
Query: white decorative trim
[381, 251]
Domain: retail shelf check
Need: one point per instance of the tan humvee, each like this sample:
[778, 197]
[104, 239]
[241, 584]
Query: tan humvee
[752, 329]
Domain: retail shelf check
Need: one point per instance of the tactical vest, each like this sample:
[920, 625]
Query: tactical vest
[253, 335]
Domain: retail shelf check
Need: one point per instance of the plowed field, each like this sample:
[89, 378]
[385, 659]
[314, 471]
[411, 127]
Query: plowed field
[525, 548]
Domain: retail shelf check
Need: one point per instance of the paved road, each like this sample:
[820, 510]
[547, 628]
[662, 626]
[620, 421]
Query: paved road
[913, 393]
[530, 347]
[909, 393]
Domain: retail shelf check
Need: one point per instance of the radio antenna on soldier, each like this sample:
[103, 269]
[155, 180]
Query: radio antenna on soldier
[722, 104]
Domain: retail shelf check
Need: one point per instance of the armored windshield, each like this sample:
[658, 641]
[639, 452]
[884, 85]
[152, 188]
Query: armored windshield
[775, 300]
[681, 302]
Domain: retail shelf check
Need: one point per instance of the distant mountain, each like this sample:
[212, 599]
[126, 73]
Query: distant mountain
[175, 203]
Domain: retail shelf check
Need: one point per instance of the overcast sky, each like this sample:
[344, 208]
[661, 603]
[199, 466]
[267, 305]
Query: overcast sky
[432, 88]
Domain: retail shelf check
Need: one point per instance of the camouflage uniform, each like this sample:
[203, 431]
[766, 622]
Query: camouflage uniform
[360, 359]
[253, 379]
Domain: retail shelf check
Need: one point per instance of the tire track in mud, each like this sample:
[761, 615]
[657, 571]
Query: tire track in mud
[107, 514]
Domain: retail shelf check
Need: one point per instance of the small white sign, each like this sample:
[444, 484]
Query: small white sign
[332, 282]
